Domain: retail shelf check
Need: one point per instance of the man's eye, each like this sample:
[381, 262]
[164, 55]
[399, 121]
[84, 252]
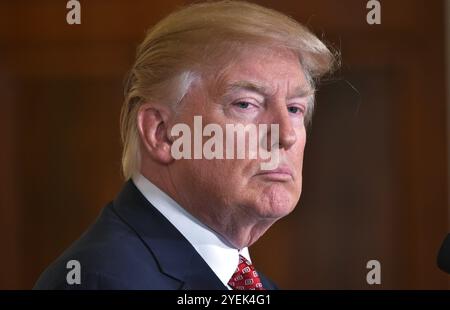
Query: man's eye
[242, 104]
[295, 110]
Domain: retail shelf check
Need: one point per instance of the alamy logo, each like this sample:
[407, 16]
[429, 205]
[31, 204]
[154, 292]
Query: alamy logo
[237, 142]
[374, 275]
[74, 274]
[374, 15]
[73, 17]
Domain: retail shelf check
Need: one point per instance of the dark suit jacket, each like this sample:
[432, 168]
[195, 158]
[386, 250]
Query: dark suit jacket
[133, 246]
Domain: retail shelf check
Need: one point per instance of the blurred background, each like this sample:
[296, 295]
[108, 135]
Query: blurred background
[376, 176]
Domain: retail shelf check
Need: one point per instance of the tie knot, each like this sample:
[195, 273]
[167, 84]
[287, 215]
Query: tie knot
[245, 277]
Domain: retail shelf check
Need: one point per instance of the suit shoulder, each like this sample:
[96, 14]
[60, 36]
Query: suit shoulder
[109, 255]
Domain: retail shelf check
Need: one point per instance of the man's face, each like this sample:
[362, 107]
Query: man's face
[261, 87]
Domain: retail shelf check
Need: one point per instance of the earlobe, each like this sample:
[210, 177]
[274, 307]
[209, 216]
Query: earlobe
[153, 130]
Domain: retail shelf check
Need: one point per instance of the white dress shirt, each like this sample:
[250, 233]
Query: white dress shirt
[221, 257]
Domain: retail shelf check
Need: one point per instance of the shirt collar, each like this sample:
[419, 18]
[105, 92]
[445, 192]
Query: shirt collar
[222, 258]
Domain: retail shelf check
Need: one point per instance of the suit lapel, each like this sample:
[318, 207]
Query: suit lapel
[176, 257]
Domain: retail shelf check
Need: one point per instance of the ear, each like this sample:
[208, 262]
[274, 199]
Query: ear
[153, 130]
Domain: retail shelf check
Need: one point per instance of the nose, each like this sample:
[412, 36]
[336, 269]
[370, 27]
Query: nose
[287, 134]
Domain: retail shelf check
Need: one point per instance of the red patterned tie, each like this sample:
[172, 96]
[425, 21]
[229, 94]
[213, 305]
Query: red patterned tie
[245, 277]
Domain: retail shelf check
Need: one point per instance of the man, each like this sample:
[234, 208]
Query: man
[186, 222]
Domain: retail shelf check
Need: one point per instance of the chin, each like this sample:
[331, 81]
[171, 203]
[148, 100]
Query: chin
[276, 202]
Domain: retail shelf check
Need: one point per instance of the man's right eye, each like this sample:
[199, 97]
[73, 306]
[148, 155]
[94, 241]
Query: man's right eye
[242, 104]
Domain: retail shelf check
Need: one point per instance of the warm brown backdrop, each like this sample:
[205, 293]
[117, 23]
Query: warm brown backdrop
[375, 179]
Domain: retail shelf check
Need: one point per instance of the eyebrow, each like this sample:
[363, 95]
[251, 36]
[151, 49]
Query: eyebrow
[300, 91]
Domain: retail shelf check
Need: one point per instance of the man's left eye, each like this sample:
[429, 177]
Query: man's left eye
[295, 110]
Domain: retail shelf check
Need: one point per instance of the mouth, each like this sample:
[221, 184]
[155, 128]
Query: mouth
[280, 174]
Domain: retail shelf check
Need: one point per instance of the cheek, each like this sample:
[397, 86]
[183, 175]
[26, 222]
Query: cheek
[221, 175]
[301, 150]
[299, 147]
[296, 155]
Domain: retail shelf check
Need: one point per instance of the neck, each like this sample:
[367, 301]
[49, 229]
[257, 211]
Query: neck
[237, 226]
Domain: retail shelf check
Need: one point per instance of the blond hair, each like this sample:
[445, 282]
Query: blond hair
[191, 40]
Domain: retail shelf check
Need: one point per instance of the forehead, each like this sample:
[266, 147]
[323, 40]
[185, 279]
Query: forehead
[271, 68]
